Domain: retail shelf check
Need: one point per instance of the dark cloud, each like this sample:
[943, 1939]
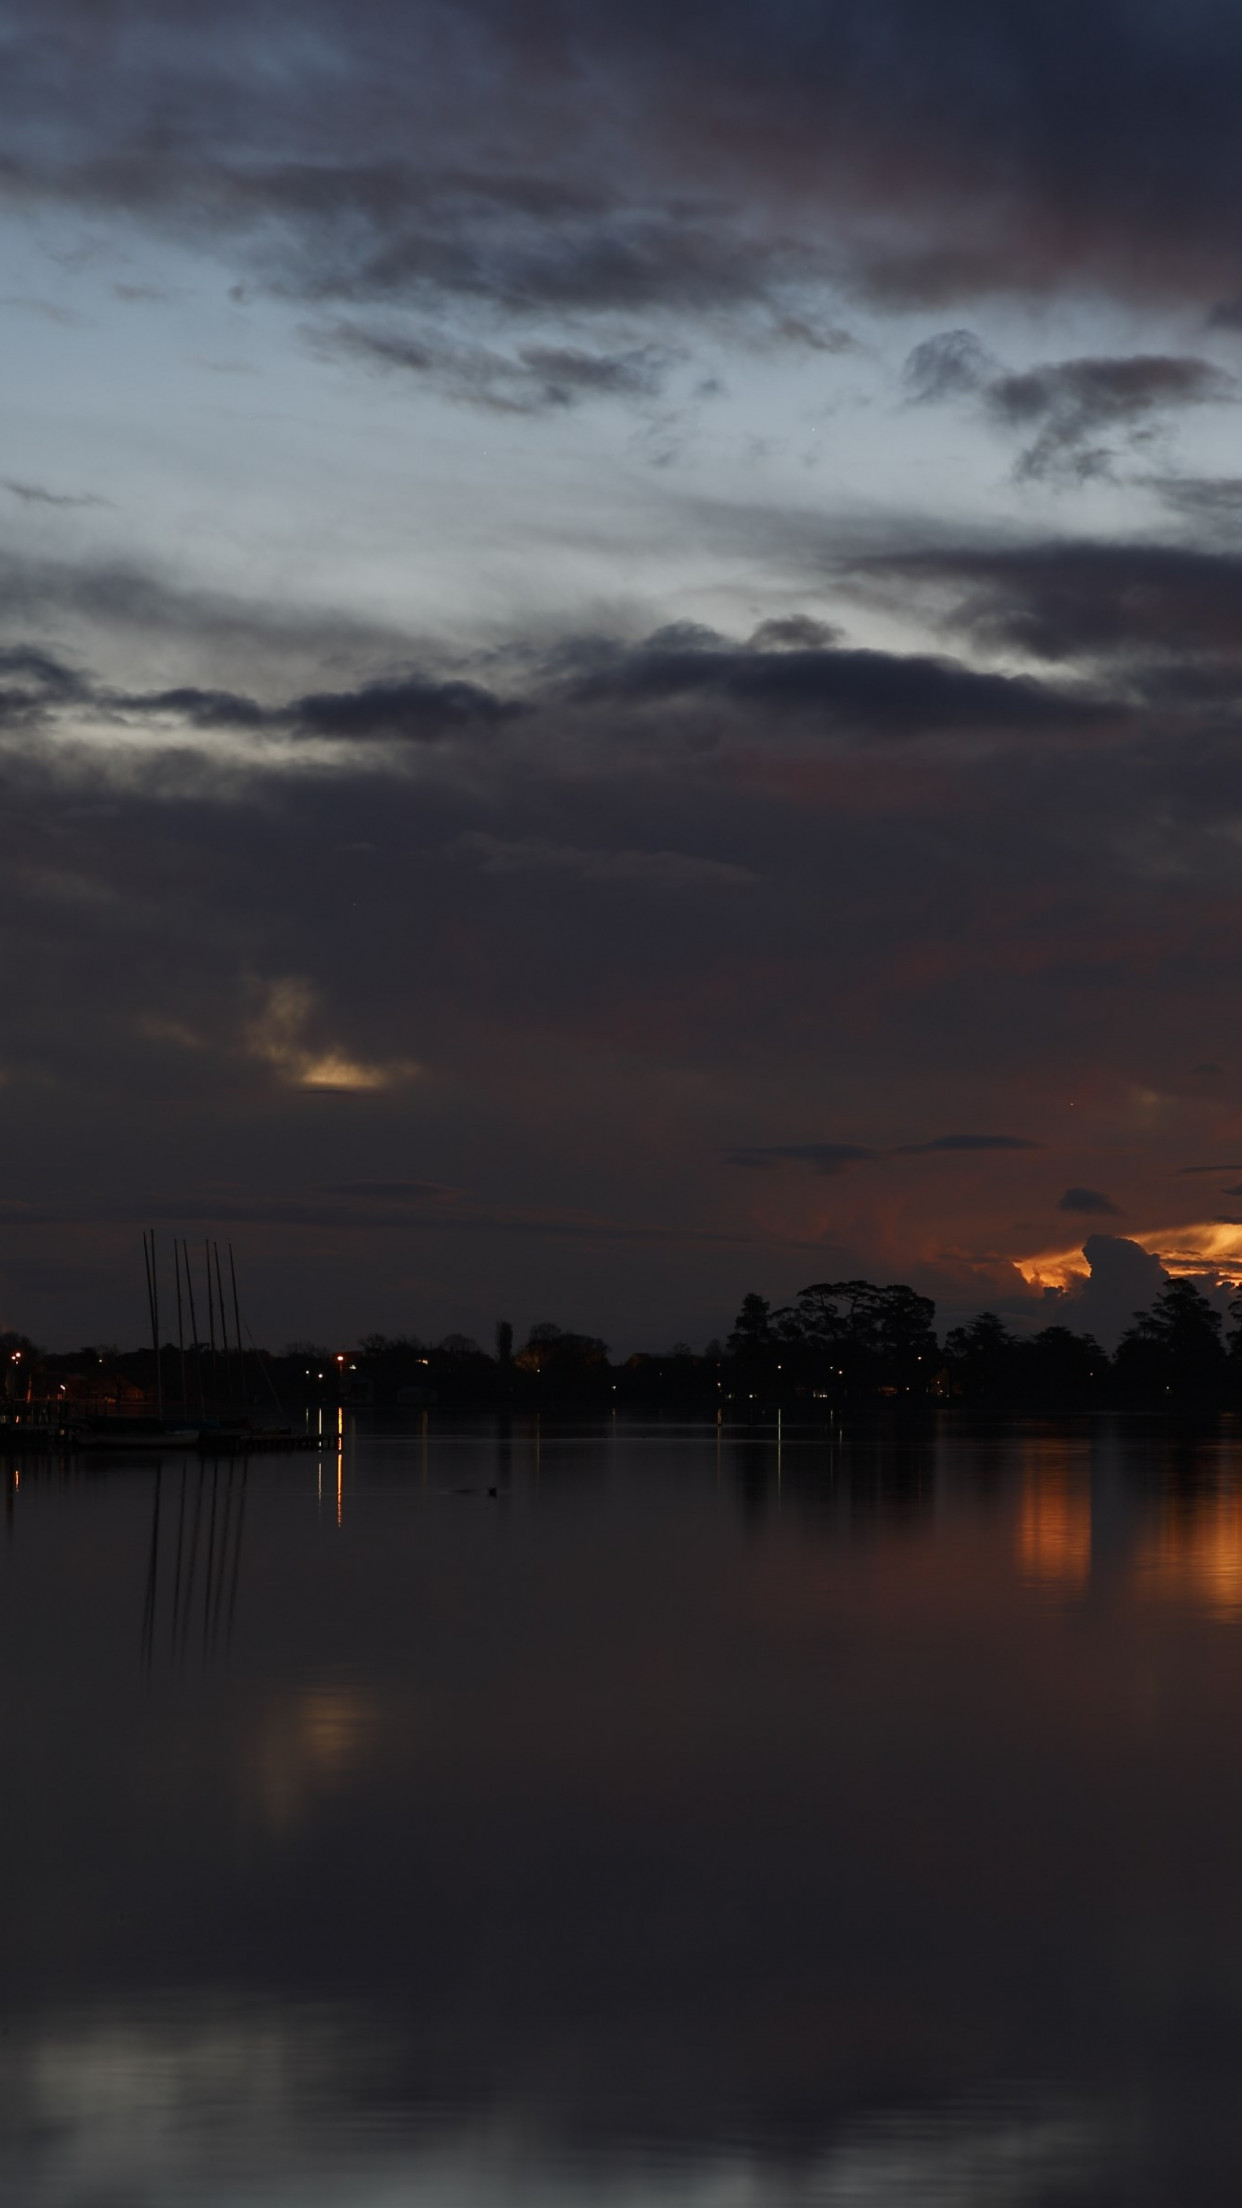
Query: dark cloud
[32, 685]
[522, 242]
[36, 494]
[686, 681]
[614, 160]
[1090, 1201]
[844, 691]
[954, 364]
[1124, 1279]
[535, 379]
[49, 676]
[1066, 408]
[835, 1157]
[199, 708]
[603, 958]
[796, 632]
[1074, 599]
[1206, 500]
[1071, 404]
[408, 708]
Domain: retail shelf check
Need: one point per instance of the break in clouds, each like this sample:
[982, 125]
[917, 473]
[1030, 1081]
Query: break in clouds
[625, 625]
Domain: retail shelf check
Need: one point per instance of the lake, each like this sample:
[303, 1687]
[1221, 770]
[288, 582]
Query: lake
[620, 1816]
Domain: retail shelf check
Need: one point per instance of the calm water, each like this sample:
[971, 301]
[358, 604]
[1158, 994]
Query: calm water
[692, 1821]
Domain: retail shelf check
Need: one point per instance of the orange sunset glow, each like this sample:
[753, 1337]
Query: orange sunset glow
[1211, 1248]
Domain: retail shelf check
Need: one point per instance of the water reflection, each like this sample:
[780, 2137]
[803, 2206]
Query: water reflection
[195, 1558]
[130, 2110]
[603, 1815]
[1054, 1524]
[881, 1476]
[1193, 1554]
[307, 1745]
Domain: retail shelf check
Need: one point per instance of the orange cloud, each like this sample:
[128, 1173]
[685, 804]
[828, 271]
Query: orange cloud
[1206, 1246]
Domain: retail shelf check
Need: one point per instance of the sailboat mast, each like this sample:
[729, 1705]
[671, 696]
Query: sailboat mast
[211, 1315]
[185, 1393]
[153, 1300]
[198, 1347]
[241, 1354]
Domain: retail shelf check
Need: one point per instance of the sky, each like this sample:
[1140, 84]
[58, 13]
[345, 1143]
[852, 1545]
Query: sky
[620, 657]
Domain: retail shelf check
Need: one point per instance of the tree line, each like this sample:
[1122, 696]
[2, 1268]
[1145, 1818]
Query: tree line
[854, 1339]
[839, 1342]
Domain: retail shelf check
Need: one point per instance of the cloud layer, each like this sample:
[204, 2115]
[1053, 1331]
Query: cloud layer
[601, 161]
[629, 616]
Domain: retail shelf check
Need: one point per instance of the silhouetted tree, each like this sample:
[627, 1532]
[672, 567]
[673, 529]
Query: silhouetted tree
[676, 1377]
[1233, 1341]
[393, 1361]
[1174, 1349]
[752, 1326]
[751, 1346]
[572, 1362]
[982, 1358]
[857, 1337]
[1062, 1370]
[848, 1340]
[457, 1367]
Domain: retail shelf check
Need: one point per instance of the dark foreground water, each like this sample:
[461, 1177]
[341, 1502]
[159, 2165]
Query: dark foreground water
[694, 1821]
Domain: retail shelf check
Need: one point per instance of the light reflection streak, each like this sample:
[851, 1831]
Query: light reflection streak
[1194, 1555]
[1054, 1518]
[1190, 1555]
[305, 1746]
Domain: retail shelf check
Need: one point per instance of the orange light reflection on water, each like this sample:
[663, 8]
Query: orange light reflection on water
[1054, 1517]
[1194, 1553]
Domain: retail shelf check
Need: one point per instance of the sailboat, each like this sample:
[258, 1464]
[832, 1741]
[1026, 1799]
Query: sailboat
[221, 1425]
